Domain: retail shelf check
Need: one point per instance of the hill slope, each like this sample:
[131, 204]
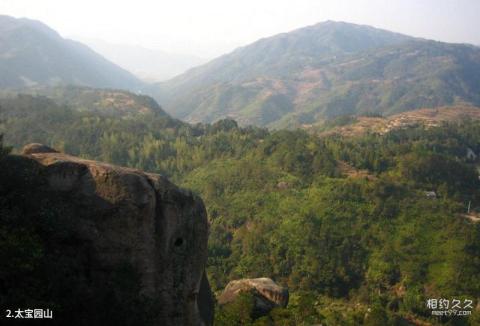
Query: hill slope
[322, 71]
[31, 53]
[107, 102]
[351, 126]
[347, 222]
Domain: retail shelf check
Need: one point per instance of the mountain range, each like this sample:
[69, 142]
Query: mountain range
[295, 79]
[321, 71]
[33, 54]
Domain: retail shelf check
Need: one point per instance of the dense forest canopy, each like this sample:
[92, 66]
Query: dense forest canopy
[346, 223]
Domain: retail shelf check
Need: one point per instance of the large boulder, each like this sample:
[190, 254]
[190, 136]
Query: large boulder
[266, 292]
[124, 216]
[35, 148]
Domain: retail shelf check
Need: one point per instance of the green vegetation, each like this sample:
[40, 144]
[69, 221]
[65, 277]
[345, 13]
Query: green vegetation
[352, 248]
[322, 71]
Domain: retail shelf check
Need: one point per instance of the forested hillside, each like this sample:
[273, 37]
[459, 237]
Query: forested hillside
[350, 225]
[107, 102]
[321, 71]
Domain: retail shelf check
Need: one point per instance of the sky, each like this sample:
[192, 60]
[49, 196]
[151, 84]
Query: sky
[208, 28]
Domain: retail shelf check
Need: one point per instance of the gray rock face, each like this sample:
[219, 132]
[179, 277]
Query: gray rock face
[267, 293]
[206, 302]
[126, 215]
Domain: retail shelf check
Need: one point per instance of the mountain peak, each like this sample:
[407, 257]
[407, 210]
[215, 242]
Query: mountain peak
[339, 36]
[320, 71]
[34, 54]
[9, 23]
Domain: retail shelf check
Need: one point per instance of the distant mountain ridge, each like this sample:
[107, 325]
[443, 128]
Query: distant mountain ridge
[324, 70]
[147, 64]
[293, 79]
[294, 48]
[32, 54]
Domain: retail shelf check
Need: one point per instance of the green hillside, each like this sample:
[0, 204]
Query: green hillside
[109, 102]
[321, 71]
[345, 223]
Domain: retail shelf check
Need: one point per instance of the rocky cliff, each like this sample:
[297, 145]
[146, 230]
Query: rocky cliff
[131, 235]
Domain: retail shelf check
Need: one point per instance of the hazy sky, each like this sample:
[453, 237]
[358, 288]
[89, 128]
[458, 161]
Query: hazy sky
[209, 28]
